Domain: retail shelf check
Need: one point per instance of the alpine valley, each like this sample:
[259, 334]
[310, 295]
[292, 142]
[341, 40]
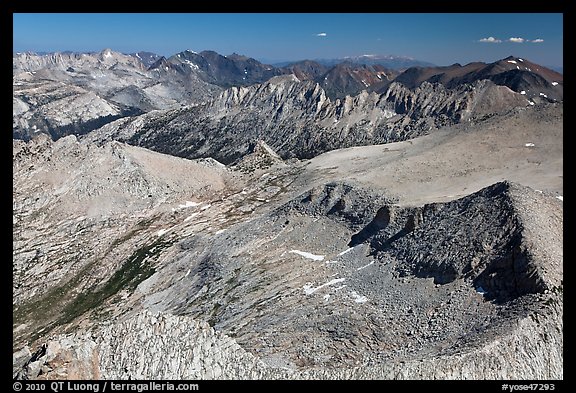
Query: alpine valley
[212, 217]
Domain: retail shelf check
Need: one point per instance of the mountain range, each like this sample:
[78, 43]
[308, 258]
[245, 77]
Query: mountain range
[81, 92]
[211, 217]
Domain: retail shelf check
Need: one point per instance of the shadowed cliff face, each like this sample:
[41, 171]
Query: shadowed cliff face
[298, 120]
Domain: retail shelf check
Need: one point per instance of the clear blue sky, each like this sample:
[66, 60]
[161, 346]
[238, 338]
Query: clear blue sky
[438, 38]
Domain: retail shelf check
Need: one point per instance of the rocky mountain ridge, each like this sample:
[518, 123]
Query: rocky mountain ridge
[298, 120]
[273, 231]
[73, 93]
[290, 269]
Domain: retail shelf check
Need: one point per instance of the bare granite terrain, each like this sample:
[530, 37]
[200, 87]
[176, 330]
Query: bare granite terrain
[345, 251]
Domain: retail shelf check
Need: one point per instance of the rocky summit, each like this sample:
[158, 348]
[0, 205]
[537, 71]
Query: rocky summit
[210, 217]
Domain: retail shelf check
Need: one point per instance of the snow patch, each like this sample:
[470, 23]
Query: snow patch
[531, 103]
[189, 204]
[162, 232]
[554, 83]
[523, 92]
[191, 216]
[365, 266]
[529, 144]
[308, 255]
[520, 59]
[326, 297]
[190, 64]
[560, 197]
[511, 61]
[187, 273]
[481, 291]
[345, 251]
[309, 290]
[205, 207]
[543, 95]
[358, 298]
[219, 231]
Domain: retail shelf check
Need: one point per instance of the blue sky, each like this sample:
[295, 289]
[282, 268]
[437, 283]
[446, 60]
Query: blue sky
[439, 38]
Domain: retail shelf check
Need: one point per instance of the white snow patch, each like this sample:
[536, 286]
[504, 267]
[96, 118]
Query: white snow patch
[365, 266]
[517, 67]
[331, 261]
[540, 191]
[531, 103]
[359, 298]
[529, 144]
[326, 297]
[554, 83]
[219, 231]
[189, 204]
[162, 231]
[107, 54]
[138, 56]
[345, 251]
[308, 255]
[191, 216]
[520, 59]
[512, 61]
[543, 95]
[523, 92]
[481, 291]
[187, 273]
[560, 197]
[205, 207]
[190, 64]
[308, 290]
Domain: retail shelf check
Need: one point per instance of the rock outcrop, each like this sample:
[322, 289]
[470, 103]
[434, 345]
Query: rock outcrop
[298, 120]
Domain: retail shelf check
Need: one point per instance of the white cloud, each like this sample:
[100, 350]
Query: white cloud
[490, 39]
[518, 40]
[537, 40]
[321, 35]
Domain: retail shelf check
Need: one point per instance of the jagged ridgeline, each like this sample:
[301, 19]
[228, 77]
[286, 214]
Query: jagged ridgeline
[311, 109]
[212, 217]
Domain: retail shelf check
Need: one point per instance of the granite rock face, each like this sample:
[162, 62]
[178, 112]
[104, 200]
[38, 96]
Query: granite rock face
[298, 120]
